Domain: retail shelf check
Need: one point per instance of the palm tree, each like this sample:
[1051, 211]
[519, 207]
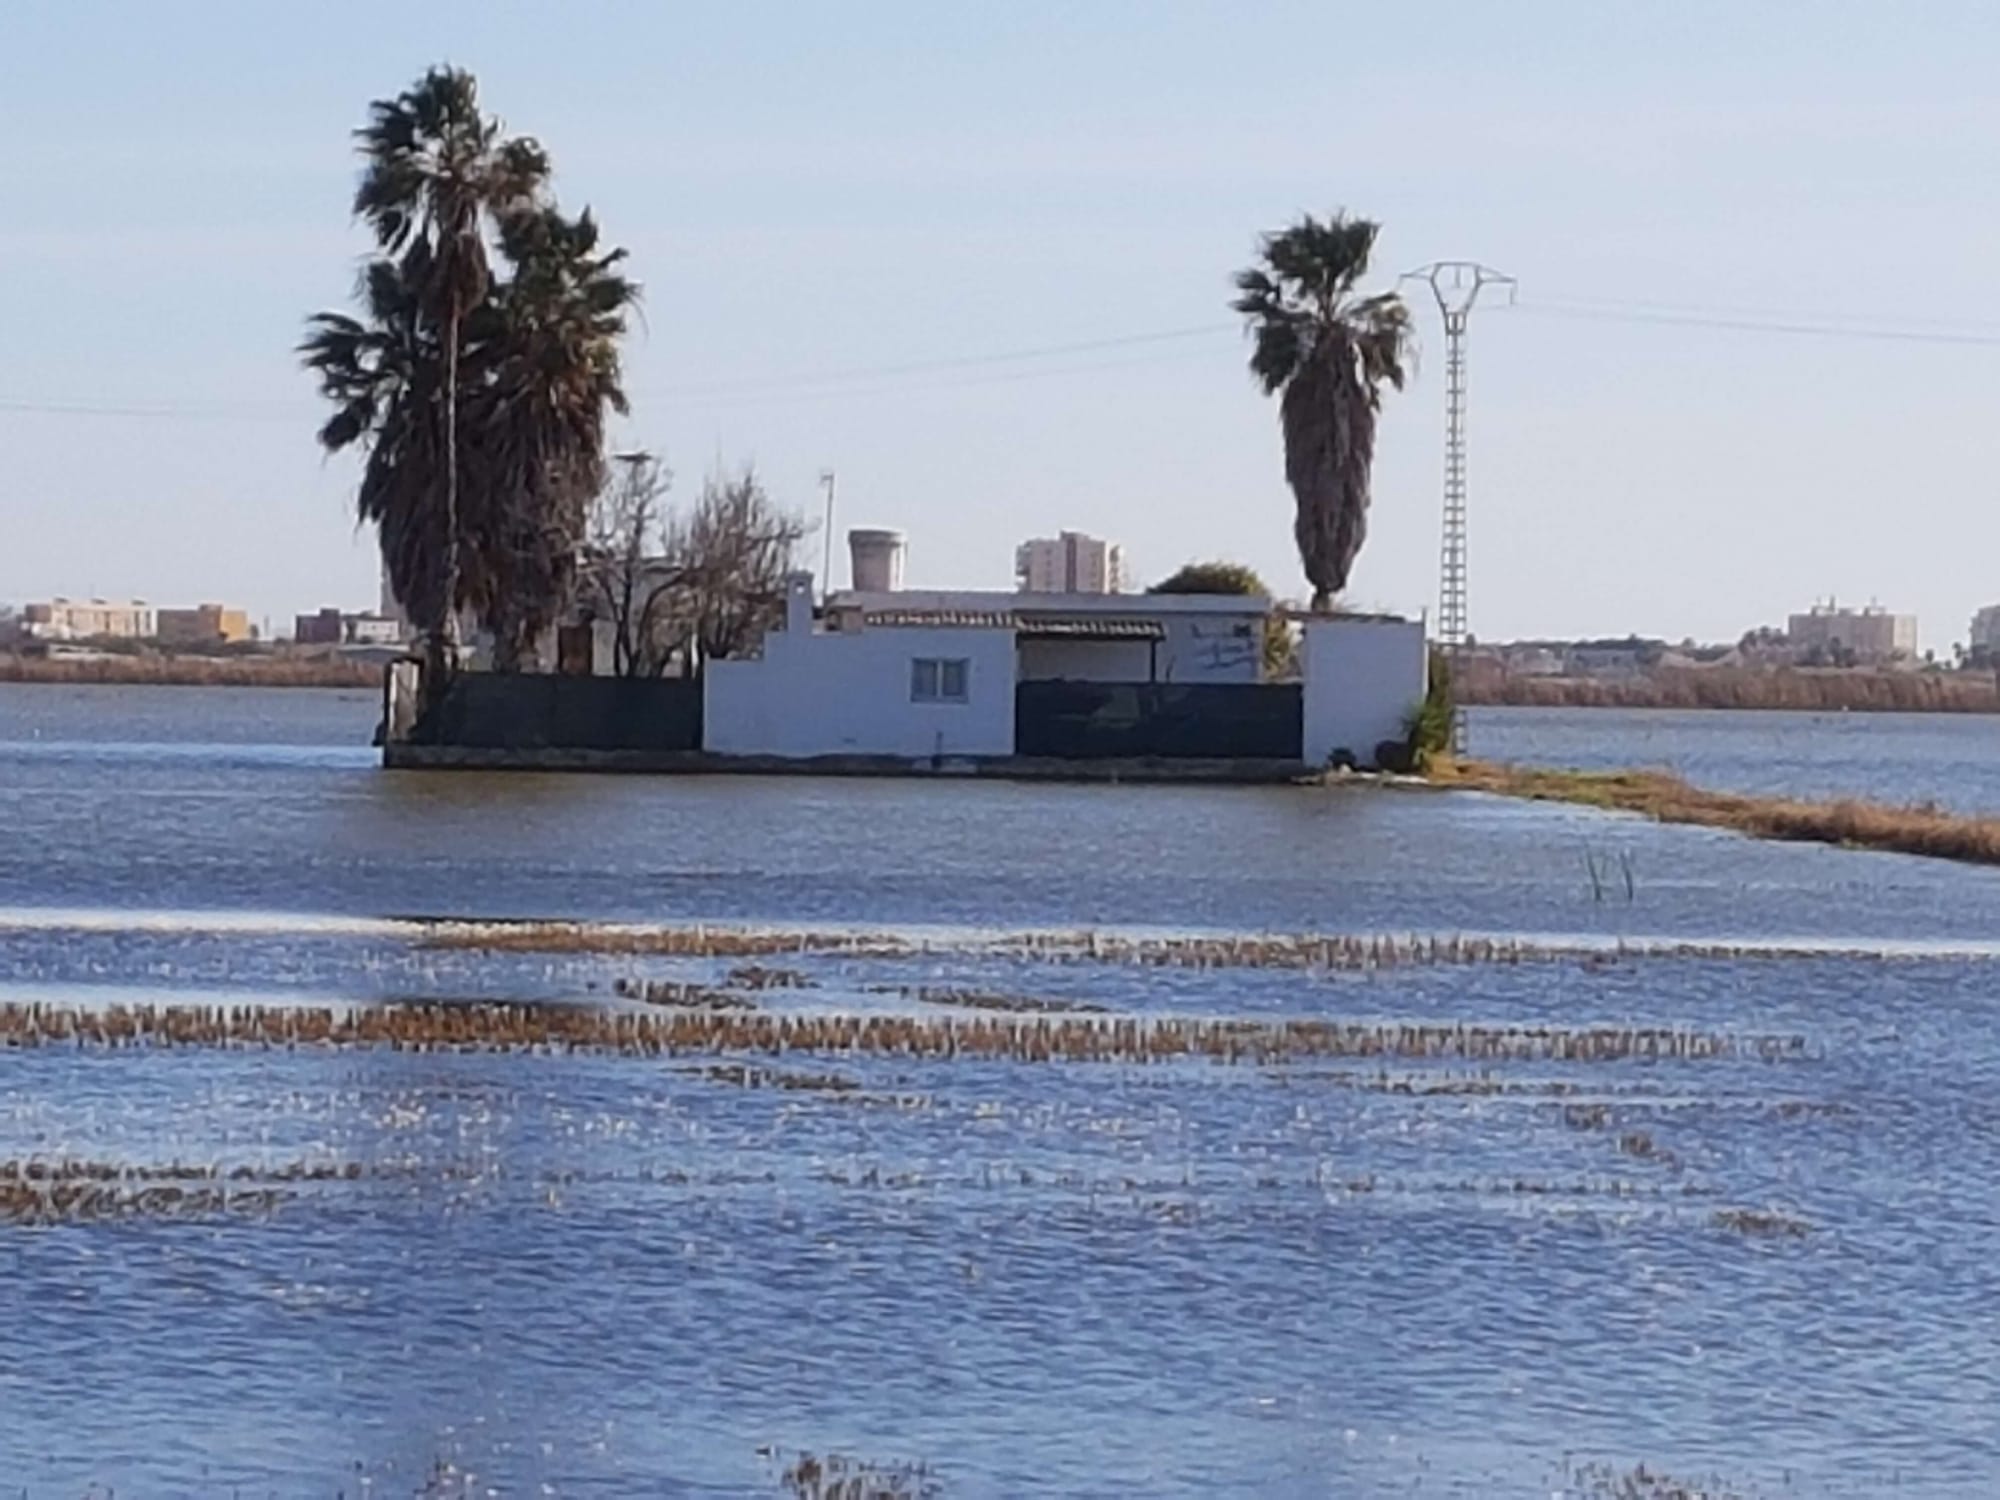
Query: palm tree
[438, 171]
[382, 373]
[547, 344]
[1329, 351]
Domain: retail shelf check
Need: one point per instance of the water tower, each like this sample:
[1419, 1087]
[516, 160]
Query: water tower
[875, 560]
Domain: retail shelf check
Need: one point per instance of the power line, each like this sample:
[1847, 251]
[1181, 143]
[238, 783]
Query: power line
[957, 362]
[1610, 312]
[988, 368]
[860, 381]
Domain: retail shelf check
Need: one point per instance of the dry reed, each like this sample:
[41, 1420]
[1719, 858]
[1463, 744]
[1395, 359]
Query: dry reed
[968, 999]
[66, 1190]
[193, 671]
[1760, 1223]
[1125, 1039]
[839, 1477]
[1799, 689]
[1332, 952]
[1665, 798]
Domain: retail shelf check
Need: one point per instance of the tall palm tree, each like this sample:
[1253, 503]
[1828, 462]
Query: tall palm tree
[1329, 351]
[547, 345]
[438, 172]
[383, 373]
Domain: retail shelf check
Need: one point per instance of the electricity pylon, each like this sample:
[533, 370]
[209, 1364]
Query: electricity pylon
[1456, 284]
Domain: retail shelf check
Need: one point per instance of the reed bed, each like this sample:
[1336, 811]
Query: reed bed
[744, 1076]
[682, 994]
[171, 670]
[1602, 1481]
[971, 999]
[1803, 689]
[1332, 952]
[1665, 798]
[68, 1191]
[840, 1477]
[1760, 1223]
[1124, 1039]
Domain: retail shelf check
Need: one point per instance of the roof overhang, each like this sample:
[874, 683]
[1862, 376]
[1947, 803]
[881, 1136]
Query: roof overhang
[1089, 628]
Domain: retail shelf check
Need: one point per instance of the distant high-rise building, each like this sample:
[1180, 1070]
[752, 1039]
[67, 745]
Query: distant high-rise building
[1986, 628]
[1841, 631]
[1070, 563]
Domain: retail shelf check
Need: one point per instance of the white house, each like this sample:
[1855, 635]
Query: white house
[931, 676]
[922, 690]
[1089, 637]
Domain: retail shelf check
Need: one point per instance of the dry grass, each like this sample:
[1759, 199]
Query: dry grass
[1101, 1039]
[68, 1190]
[1342, 952]
[193, 671]
[1801, 689]
[1760, 1223]
[839, 1477]
[1849, 822]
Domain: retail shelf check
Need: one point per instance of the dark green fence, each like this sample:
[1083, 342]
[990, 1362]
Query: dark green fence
[1113, 720]
[533, 711]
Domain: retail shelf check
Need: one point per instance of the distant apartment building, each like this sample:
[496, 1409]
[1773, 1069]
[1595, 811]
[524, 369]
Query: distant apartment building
[1070, 563]
[319, 629]
[89, 619]
[332, 627]
[1841, 633]
[1986, 629]
[204, 625]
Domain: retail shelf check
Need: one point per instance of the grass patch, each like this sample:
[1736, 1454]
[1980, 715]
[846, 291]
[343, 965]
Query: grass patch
[1848, 822]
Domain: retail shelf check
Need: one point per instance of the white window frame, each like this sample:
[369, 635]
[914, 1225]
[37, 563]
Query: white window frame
[931, 679]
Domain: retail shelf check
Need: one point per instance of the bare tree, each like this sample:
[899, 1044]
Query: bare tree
[682, 587]
[626, 578]
[731, 553]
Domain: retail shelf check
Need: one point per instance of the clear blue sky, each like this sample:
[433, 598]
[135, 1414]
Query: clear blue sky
[809, 189]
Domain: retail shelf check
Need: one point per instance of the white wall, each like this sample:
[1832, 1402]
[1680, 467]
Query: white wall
[1362, 678]
[1084, 660]
[1210, 648]
[848, 693]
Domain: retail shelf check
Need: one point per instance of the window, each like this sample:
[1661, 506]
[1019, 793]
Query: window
[935, 679]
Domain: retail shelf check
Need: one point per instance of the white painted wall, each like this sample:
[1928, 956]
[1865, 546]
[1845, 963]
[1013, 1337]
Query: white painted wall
[1081, 659]
[848, 693]
[1208, 637]
[1211, 647]
[1362, 678]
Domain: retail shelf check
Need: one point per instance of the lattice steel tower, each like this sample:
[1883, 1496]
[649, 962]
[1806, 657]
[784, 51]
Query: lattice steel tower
[1456, 284]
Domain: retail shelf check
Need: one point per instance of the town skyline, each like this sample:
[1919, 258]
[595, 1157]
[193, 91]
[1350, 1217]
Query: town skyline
[997, 307]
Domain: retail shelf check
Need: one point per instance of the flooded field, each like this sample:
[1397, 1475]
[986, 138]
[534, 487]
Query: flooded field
[1950, 759]
[415, 1135]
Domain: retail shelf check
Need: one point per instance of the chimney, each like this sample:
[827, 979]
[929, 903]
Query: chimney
[798, 603]
[875, 560]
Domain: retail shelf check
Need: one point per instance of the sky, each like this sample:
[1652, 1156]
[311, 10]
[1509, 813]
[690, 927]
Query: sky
[975, 259]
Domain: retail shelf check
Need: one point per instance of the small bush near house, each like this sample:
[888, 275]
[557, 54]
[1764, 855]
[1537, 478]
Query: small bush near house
[1430, 722]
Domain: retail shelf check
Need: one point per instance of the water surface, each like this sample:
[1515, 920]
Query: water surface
[608, 1275]
[1950, 759]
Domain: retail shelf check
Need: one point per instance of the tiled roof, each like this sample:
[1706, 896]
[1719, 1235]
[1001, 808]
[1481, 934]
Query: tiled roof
[1094, 627]
[970, 619]
[1090, 627]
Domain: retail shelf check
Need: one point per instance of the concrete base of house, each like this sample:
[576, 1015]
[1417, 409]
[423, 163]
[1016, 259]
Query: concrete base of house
[411, 757]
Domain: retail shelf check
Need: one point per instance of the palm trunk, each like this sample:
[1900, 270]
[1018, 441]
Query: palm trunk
[441, 640]
[449, 626]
